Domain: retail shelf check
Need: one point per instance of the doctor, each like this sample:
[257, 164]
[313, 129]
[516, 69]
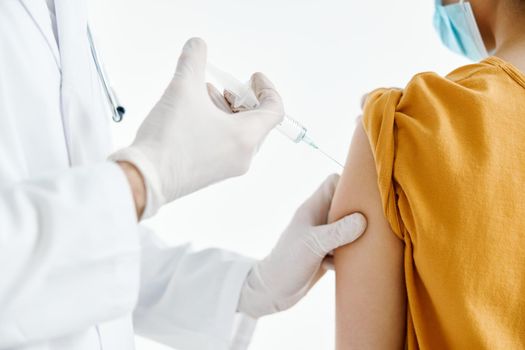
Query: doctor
[76, 269]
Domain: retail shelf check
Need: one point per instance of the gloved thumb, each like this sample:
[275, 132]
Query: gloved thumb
[271, 110]
[192, 61]
[339, 233]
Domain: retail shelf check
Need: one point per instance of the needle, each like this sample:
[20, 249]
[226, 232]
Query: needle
[327, 155]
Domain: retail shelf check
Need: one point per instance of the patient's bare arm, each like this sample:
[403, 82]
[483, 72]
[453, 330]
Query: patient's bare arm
[370, 292]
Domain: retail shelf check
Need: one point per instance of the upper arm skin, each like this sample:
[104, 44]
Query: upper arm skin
[370, 291]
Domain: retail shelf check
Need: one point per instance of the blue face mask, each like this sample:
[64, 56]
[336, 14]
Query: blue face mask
[457, 27]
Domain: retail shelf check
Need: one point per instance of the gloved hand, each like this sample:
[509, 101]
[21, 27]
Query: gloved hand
[187, 143]
[280, 280]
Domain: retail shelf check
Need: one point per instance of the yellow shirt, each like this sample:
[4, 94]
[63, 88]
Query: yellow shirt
[450, 158]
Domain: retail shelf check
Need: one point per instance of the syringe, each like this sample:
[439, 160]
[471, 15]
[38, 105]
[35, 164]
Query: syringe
[245, 97]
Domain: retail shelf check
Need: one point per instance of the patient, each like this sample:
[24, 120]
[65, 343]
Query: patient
[439, 170]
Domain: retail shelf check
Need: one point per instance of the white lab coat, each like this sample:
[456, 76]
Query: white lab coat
[76, 270]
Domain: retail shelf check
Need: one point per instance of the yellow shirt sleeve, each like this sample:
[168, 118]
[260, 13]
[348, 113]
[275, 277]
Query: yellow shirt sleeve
[450, 159]
[379, 124]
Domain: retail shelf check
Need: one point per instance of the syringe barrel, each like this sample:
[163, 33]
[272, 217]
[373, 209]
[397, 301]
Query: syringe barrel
[244, 96]
[292, 129]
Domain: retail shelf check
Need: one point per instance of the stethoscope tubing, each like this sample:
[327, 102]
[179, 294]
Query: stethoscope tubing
[117, 109]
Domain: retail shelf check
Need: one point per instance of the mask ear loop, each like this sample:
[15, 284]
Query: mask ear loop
[474, 32]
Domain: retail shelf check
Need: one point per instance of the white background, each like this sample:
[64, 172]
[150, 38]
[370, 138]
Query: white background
[322, 55]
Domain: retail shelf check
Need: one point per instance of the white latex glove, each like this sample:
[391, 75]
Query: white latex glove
[187, 143]
[280, 280]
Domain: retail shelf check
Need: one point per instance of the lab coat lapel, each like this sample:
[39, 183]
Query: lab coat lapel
[39, 12]
[84, 119]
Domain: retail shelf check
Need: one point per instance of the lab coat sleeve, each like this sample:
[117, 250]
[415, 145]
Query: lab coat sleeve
[69, 253]
[188, 299]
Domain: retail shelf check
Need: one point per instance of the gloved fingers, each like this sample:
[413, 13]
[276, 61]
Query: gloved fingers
[230, 97]
[318, 275]
[218, 99]
[192, 61]
[326, 238]
[328, 263]
[315, 209]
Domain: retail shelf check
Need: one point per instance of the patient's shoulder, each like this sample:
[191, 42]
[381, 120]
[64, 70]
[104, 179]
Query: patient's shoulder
[429, 92]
